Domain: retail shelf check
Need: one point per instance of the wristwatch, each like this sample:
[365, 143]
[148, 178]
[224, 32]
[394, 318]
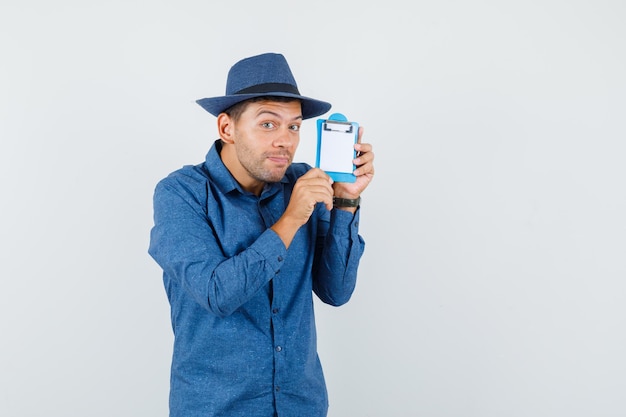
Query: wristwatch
[346, 202]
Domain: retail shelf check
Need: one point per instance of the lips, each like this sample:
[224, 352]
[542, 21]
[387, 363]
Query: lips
[279, 159]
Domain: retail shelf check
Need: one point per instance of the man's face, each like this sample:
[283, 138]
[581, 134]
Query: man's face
[266, 138]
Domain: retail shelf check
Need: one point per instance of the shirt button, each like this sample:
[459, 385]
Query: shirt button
[277, 389]
[275, 311]
[280, 259]
[278, 348]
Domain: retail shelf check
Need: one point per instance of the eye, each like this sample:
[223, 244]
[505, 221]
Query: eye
[268, 125]
[295, 128]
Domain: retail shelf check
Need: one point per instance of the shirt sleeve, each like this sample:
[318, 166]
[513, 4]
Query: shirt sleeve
[339, 252]
[185, 246]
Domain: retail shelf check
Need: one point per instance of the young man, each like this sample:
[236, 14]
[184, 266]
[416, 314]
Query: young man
[244, 239]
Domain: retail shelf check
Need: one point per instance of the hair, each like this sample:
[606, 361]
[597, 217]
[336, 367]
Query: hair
[235, 111]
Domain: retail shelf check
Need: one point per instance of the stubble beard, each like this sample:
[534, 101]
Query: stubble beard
[255, 166]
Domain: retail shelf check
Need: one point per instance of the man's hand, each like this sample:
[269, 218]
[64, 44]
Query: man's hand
[311, 188]
[364, 172]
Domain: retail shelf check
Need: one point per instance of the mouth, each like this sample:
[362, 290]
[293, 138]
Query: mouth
[279, 159]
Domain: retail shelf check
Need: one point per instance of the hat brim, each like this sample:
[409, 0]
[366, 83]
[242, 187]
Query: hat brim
[310, 107]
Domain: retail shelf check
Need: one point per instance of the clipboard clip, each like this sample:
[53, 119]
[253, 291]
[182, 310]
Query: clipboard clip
[337, 122]
[338, 127]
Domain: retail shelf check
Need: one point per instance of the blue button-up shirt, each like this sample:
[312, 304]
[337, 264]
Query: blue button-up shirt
[241, 303]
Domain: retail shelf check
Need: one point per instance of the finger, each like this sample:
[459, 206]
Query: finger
[316, 189]
[363, 147]
[357, 145]
[364, 156]
[364, 169]
[313, 181]
[317, 173]
[364, 164]
[316, 195]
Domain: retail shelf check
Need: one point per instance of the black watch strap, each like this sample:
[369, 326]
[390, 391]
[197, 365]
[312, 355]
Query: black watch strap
[346, 202]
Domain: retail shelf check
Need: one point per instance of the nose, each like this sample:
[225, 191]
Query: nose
[286, 137]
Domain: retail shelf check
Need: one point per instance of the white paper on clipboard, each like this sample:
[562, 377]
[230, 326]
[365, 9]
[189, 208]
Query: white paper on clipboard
[336, 150]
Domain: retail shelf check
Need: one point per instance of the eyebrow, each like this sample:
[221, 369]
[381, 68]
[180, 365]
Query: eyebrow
[262, 112]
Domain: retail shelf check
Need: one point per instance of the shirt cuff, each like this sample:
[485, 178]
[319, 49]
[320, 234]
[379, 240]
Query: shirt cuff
[344, 223]
[271, 248]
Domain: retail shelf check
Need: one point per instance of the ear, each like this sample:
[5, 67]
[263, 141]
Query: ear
[225, 126]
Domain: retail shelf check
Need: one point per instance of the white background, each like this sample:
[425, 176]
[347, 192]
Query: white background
[493, 282]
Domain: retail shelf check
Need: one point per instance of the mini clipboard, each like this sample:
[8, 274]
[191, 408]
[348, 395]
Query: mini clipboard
[336, 137]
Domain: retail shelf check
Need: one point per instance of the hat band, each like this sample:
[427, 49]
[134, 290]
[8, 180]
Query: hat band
[270, 88]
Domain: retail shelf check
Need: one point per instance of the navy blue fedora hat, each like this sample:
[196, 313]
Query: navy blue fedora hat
[262, 75]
